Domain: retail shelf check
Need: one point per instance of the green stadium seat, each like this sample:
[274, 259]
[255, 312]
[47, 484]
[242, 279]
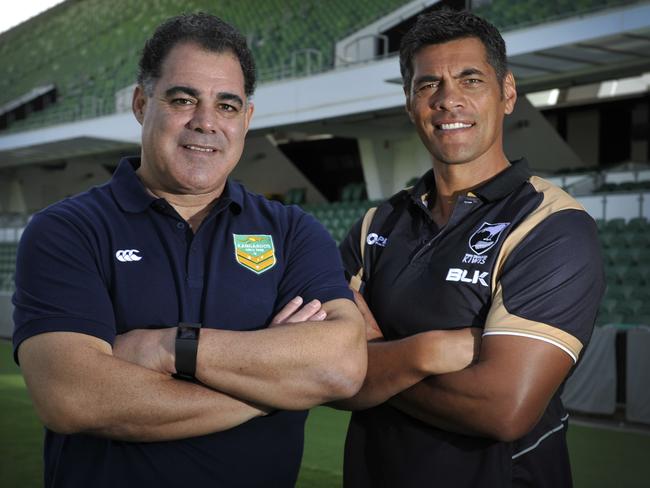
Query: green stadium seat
[638, 223]
[640, 256]
[608, 305]
[609, 239]
[295, 196]
[641, 319]
[616, 273]
[628, 307]
[615, 225]
[606, 318]
[637, 276]
[612, 255]
[636, 239]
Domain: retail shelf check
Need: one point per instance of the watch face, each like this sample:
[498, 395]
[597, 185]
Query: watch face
[185, 332]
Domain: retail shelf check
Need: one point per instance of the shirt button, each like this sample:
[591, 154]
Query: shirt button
[180, 225]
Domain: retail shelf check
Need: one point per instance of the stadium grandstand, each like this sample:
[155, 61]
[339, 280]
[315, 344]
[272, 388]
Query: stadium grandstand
[330, 133]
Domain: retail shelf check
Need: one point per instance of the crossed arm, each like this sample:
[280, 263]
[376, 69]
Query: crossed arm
[79, 384]
[500, 396]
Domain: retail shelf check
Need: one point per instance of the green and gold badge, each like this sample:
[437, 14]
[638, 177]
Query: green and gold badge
[255, 252]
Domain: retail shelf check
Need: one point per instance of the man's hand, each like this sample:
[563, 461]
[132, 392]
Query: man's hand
[454, 349]
[373, 332]
[291, 313]
[150, 348]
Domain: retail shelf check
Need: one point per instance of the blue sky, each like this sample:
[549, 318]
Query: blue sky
[23, 10]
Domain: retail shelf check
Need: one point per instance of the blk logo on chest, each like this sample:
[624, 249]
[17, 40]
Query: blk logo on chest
[467, 276]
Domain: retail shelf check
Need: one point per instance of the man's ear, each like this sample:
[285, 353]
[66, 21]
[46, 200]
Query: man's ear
[139, 103]
[407, 105]
[250, 108]
[509, 93]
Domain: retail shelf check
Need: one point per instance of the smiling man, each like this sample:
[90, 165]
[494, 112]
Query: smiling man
[160, 323]
[477, 243]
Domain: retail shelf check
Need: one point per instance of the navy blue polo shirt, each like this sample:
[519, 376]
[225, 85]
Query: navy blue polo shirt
[117, 258]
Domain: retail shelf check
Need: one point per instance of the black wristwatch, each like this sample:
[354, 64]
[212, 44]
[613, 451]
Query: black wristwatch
[187, 343]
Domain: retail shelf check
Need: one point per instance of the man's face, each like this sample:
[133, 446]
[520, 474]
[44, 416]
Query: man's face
[456, 102]
[194, 123]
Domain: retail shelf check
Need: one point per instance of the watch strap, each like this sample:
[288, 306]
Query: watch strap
[186, 347]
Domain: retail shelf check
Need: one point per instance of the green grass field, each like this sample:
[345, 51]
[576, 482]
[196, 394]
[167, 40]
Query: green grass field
[600, 458]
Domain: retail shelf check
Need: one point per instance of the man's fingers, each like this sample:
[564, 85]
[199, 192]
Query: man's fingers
[373, 331]
[292, 312]
[305, 313]
[286, 312]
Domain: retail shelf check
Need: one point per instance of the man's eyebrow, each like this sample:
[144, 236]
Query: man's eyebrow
[175, 90]
[233, 97]
[463, 74]
[469, 72]
[426, 79]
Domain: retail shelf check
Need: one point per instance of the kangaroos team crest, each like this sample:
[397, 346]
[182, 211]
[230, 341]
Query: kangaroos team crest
[255, 252]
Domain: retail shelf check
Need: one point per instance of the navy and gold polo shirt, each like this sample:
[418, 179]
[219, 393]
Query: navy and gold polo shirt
[117, 258]
[518, 257]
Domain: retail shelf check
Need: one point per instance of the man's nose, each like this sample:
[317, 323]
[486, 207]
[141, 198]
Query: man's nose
[204, 119]
[448, 97]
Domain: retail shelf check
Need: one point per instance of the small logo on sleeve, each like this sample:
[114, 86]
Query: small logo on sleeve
[127, 255]
[255, 252]
[376, 240]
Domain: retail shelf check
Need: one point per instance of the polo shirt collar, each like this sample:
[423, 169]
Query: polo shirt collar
[132, 196]
[505, 182]
[495, 189]
[130, 193]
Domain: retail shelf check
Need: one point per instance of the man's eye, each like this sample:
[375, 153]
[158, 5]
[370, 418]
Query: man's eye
[425, 89]
[181, 101]
[473, 81]
[226, 107]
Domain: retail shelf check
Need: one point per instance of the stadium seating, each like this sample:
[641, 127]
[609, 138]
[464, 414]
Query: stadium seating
[89, 49]
[507, 15]
[7, 266]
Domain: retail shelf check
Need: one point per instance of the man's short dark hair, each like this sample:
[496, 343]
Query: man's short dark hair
[446, 25]
[208, 31]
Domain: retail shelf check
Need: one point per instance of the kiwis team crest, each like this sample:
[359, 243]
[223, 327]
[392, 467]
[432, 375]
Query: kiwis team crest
[486, 236]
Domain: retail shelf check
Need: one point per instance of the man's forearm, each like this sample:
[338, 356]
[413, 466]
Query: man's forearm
[293, 366]
[453, 402]
[394, 366]
[78, 386]
[501, 397]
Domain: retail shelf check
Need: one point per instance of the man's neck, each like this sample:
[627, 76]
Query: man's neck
[192, 207]
[454, 180]
[192, 210]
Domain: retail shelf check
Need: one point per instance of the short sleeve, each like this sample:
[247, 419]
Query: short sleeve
[314, 269]
[551, 284]
[350, 250]
[58, 283]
